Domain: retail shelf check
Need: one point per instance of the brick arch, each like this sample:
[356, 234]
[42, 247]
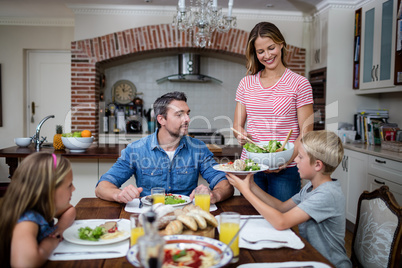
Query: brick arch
[89, 55]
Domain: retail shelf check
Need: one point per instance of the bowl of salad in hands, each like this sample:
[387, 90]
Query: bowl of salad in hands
[269, 157]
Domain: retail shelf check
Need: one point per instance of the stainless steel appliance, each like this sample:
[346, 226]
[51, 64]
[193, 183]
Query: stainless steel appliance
[209, 136]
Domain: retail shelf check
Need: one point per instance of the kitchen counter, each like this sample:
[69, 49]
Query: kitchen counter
[374, 150]
[101, 151]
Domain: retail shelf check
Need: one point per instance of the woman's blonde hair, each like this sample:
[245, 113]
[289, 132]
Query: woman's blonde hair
[32, 187]
[263, 29]
[325, 146]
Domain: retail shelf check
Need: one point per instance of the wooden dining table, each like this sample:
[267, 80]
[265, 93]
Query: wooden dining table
[95, 208]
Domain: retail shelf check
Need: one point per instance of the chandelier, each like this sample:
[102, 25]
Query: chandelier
[202, 18]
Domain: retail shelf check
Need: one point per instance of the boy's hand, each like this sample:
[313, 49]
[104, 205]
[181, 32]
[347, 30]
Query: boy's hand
[240, 182]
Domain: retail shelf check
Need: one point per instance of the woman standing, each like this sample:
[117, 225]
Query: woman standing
[273, 100]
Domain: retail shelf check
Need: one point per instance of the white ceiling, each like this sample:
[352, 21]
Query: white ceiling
[59, 8]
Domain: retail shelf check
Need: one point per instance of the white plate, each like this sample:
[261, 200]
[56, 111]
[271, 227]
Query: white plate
[184, 197]
[285, 264]
[71, 234]
[220, 168]
[189, 241]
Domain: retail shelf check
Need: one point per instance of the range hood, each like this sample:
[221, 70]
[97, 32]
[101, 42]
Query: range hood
[189, 71]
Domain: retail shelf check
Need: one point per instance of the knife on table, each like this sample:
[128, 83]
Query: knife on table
[85, 252]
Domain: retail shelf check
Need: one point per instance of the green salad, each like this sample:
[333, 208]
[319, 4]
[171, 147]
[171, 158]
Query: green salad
[271, 147]
[171, 199]
[251, 165]
[91, 234]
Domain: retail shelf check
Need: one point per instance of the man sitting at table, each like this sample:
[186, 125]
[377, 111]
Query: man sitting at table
[167, 158]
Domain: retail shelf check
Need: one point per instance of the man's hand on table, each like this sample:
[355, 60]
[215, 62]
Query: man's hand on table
[128, 194]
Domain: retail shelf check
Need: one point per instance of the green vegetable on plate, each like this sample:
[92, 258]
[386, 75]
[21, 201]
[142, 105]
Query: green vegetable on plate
[271, 147]
[91, 234]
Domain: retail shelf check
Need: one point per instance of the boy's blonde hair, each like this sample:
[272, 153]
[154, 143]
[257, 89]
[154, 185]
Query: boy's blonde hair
[32, 187]
[325, 146]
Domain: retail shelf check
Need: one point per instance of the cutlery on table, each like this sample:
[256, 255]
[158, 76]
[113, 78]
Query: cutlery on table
[141, 204]
[85, 252]
[248, 139]
[242, 217]
[264, 240]
[284, 143]
[305, 266]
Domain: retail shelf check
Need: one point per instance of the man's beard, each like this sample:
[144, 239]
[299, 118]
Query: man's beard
[178, 133]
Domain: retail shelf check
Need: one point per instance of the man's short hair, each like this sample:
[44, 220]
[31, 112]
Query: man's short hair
[161, 104]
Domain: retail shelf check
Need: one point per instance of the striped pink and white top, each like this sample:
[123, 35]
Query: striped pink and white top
[272, 112]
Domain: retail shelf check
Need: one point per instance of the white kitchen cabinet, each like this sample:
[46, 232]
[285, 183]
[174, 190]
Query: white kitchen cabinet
[382, 171]
[85, 177]
[352, 174]
[319, 44]
[378, 44]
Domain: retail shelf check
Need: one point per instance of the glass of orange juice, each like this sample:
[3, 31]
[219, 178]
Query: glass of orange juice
[158, 195]
[229, 225]
[136, 228]
[202, 198]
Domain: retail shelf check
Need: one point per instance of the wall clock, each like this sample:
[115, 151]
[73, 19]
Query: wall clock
[124, 91]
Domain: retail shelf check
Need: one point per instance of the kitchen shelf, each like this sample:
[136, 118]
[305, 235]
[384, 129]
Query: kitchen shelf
[356, 53]
[378, 90]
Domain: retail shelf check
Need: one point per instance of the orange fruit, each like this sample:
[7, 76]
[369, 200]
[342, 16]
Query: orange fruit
[86, 133]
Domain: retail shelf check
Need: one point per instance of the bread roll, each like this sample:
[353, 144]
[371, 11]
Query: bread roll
[163, 210]
[165, 220]
[174, 227]
[201, 222]
[178, 212]
[188, 221]
[211, 220]
[189, 207]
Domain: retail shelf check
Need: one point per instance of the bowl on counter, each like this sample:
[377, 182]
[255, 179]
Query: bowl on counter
[272, 160]
[23, 142]
[77, 144]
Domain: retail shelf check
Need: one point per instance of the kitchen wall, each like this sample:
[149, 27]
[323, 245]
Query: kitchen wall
[14, 41]
[212, 104]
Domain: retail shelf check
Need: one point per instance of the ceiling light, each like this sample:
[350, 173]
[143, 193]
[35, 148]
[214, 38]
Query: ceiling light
[202, 18]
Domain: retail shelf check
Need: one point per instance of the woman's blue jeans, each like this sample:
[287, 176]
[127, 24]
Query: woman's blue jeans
[282, 185]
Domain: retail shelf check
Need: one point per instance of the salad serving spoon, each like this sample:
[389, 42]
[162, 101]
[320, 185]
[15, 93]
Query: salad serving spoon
[286, 140]
[248, 139]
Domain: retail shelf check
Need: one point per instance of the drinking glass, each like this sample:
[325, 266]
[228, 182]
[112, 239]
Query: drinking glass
[136, 228]
[202, 198]
[158, 195]
[228, 227]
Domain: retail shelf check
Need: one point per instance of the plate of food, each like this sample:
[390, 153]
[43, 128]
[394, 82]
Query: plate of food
[98, 232]
[185, 250]
[174, 200]
[241, 167]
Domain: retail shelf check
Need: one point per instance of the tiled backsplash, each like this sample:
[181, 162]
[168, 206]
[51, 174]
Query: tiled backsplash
[212, 104]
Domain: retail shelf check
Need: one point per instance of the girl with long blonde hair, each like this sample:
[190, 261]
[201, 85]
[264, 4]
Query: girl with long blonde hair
[40, 190]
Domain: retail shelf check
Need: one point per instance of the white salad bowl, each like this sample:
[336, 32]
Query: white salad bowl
[272, 160]
[77, 144]
[23, 142]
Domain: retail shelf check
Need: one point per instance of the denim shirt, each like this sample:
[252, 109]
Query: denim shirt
[151, 166]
